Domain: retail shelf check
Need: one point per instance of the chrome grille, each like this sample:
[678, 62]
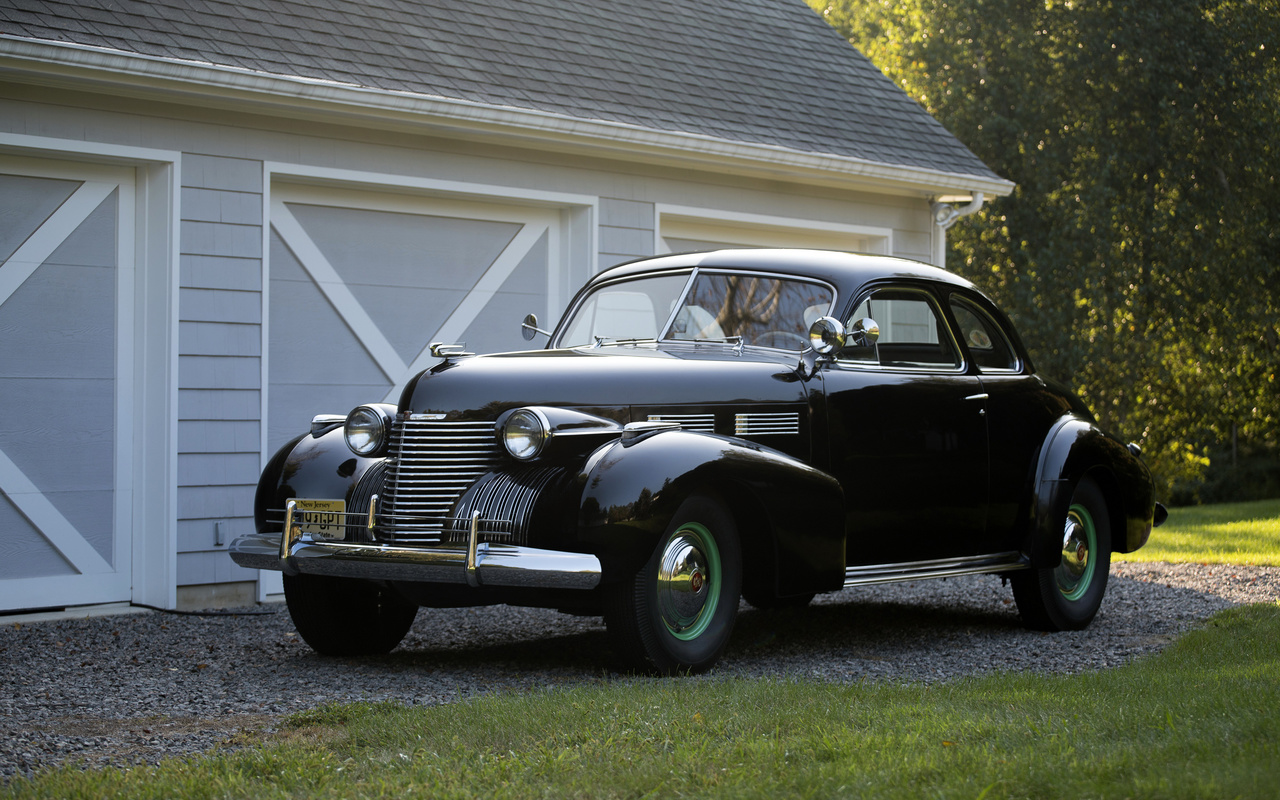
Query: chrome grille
[761, 424]
[505, 502]
[703, 423]
[432, 464]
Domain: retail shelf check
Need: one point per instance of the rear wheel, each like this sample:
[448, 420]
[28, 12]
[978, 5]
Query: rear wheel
[345, 617]
[1067, 597]
[677, 612]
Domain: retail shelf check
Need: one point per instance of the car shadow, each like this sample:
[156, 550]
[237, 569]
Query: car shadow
[856, 624]
[917, 631]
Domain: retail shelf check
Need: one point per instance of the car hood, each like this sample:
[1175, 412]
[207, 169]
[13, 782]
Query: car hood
[611, 379]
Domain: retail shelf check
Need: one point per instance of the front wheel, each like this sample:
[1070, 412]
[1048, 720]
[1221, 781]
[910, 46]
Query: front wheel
[1066, 597]
[347, 617]
[676, 613]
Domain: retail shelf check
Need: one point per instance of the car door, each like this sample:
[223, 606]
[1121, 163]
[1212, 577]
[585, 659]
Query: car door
[1021, 408]
[907, 435]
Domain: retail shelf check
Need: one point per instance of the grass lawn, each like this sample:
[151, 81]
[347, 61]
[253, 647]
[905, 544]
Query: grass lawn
[1228, 533]
[1198, 720]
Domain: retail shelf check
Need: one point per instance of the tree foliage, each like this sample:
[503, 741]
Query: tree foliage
[1138, 254]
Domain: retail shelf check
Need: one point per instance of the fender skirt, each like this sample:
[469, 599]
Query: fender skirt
[787, 512]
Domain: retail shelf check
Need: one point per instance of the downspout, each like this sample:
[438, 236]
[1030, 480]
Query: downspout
[944, 216]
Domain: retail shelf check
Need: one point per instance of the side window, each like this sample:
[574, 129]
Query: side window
[912, 333]
[986, 341]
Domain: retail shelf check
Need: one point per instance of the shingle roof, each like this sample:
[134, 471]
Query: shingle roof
[766, 72]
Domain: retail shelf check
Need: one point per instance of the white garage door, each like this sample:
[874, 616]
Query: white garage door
[66, 255]
[362, 283]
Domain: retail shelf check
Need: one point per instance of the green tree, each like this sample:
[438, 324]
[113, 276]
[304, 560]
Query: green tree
[1139, 252]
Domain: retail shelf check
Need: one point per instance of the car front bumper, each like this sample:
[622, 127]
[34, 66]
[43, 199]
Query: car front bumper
[475, 563]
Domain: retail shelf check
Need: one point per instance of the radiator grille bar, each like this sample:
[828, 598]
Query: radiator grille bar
[431, 464]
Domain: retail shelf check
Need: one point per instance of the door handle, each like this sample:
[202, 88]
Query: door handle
[982, 412]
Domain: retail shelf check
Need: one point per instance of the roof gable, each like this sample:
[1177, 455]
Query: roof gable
[766, 72]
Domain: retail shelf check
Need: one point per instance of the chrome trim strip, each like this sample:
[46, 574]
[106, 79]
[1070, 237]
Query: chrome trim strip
[495, 564]
[939, 568]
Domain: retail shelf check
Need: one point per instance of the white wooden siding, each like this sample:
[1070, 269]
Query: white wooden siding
[220, 362]
[626, 231]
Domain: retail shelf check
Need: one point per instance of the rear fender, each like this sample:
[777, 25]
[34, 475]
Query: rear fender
[1074, 448]
[788, 513]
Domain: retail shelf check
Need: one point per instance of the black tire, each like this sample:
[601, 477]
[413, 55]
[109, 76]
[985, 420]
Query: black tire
[675, 615]
[1066, 597]
[346, 617]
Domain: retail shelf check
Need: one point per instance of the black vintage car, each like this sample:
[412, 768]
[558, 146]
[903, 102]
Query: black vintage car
[763, 424]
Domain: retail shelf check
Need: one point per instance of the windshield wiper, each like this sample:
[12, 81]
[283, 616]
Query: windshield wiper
[601, 341]
[734, 341]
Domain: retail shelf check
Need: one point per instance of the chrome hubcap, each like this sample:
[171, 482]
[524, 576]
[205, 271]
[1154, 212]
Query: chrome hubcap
[1078, 540]
[688, 581]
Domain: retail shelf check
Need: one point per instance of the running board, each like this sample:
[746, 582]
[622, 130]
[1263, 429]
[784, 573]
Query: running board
[941, 568]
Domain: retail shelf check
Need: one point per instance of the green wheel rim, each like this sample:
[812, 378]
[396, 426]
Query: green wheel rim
[689, 581]
[1079, 547]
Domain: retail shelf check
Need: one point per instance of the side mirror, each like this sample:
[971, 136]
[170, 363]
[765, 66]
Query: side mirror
[864, 332]
[826, 336]
[529, 328]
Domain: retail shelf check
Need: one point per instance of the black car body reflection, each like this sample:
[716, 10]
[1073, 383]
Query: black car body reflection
[767, 424]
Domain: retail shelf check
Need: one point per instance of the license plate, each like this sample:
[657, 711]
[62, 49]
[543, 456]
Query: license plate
[323, 519]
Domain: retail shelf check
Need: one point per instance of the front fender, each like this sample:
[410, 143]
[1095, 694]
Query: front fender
[788, 513]
[1074, 448]
[310, 466]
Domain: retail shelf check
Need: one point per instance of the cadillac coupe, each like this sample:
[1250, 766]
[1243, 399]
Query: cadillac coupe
[764, 425]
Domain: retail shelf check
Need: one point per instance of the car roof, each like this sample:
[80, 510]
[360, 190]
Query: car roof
[846, 271]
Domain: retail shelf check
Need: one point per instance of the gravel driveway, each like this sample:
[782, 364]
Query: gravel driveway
[136, 688]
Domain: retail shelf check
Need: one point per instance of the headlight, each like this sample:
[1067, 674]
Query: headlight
[524, 434]
[367, 430]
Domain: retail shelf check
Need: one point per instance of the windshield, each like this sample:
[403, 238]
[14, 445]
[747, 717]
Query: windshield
[636, 309]
[758, 310]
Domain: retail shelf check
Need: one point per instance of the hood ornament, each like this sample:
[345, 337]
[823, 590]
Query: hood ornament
[450, 351]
